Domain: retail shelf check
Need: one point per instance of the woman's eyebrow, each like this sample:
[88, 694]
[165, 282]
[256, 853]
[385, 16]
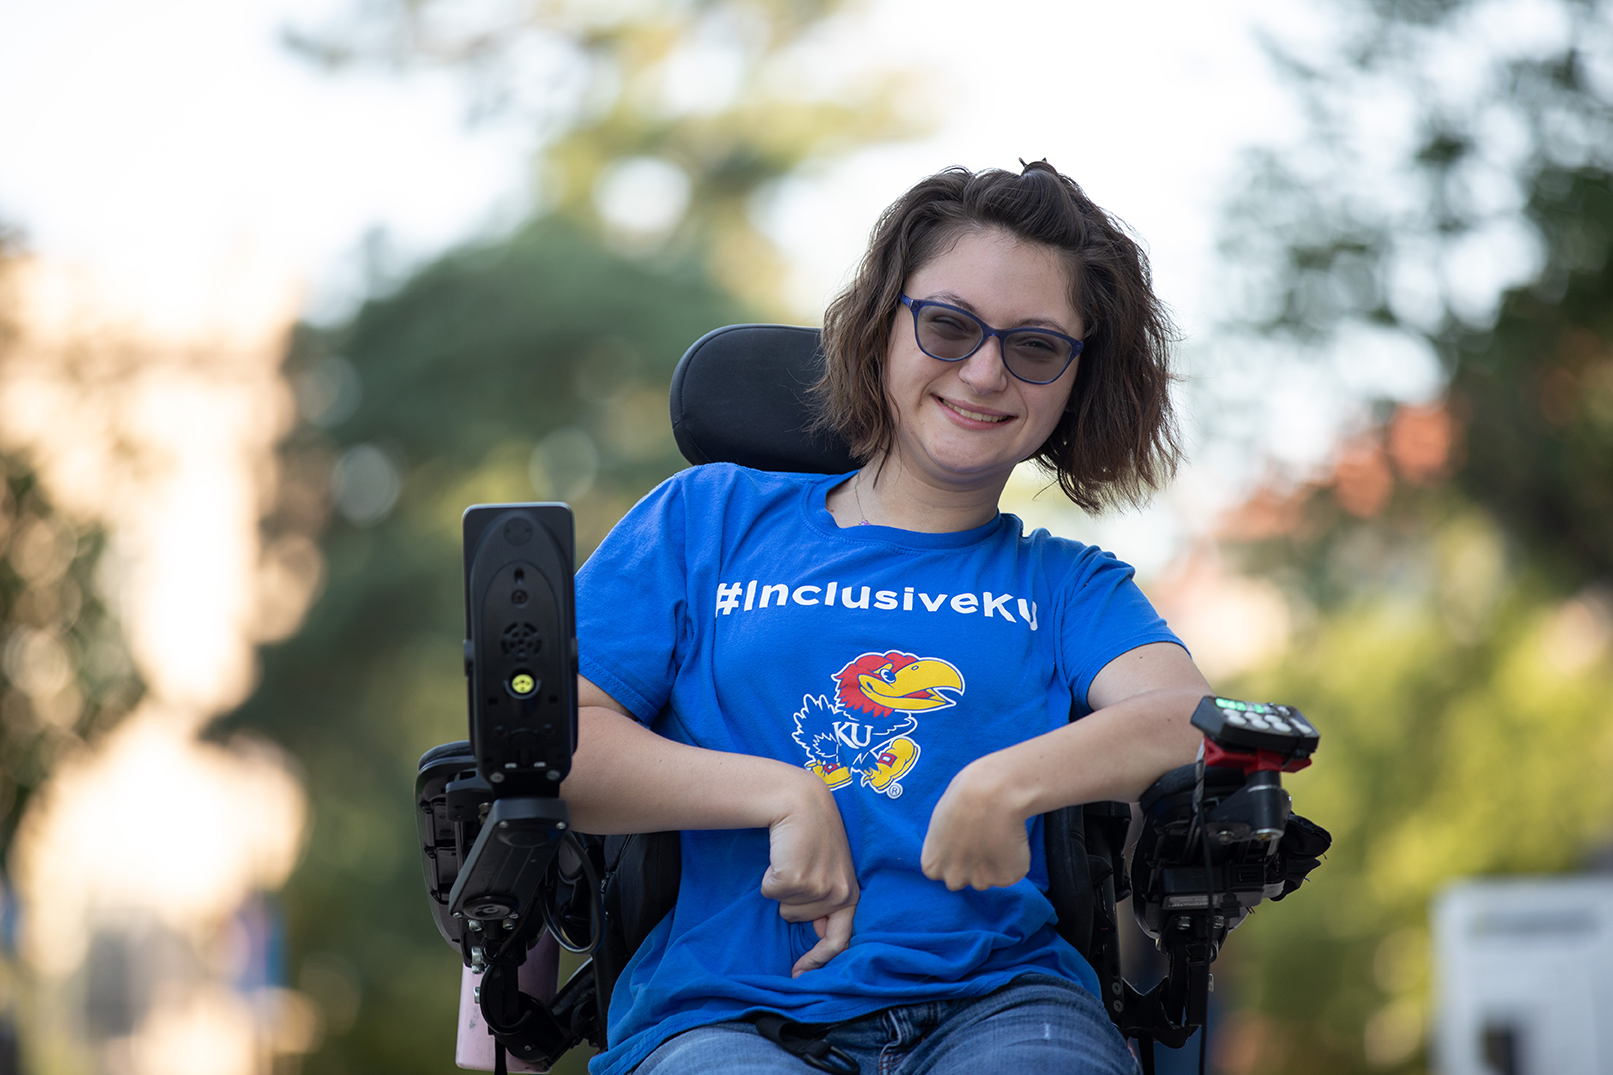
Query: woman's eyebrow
[955, 299]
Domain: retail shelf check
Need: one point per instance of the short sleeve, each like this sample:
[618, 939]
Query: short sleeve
[1104, 615]
[632, 604]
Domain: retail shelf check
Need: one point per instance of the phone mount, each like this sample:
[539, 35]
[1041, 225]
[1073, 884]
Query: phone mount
[491, 819]
[1217, 837]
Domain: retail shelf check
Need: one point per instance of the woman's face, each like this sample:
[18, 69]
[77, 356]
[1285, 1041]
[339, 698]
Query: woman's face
[966, 424]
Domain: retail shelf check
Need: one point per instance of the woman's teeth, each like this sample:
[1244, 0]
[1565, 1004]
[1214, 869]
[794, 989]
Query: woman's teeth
[976, 415]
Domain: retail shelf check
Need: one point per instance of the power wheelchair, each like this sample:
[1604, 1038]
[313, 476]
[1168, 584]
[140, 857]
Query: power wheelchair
[504, 871]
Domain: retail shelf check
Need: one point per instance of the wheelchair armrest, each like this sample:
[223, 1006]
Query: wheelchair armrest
[1218, 782]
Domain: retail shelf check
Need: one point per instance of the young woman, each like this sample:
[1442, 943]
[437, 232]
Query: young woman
[854, 693]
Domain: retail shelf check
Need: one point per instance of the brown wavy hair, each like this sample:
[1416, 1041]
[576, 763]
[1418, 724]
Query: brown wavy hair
[1117, 441]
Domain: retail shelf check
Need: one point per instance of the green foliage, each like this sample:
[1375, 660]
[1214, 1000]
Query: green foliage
[1463, 733]
[530, 368]
[65, 671]
[1537, 388]
[1457, 660]
[66, 676]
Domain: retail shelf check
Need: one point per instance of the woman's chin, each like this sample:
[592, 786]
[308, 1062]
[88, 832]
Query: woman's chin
[965, 469]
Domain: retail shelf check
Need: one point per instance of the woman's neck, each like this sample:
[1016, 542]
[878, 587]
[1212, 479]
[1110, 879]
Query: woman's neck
[884, 493]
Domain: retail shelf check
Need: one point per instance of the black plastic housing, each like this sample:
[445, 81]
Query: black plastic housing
[1235, 725]
[450, 799]
[521, 645]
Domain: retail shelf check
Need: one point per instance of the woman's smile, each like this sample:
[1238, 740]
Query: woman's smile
[978, 417]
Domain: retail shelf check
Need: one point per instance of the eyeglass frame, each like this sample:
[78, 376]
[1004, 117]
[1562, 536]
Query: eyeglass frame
[986, 333]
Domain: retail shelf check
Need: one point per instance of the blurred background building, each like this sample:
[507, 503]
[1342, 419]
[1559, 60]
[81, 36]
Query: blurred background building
[288, 283]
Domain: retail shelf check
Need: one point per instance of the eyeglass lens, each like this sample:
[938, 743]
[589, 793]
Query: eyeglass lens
[1034, 356]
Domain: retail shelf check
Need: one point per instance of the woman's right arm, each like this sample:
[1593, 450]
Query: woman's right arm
[626, 778]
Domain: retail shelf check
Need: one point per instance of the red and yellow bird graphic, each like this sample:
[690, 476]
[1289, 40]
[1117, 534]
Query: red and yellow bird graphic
[865, 729]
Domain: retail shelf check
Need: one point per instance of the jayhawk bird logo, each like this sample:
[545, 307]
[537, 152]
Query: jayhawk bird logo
[865, 728]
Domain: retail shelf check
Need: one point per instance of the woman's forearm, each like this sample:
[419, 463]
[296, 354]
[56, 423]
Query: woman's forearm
[977, 832]
[1112, 754]
[1140, 729]
[626, 778]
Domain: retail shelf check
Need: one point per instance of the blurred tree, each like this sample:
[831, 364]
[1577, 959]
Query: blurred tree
[1455, 190]
[533, 367]
[663, 123]
[66, 677]
[1455, 558]
[65, 672]
[1466, 732]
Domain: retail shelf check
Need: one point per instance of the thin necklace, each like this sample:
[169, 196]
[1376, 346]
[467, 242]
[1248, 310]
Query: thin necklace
[857, 493]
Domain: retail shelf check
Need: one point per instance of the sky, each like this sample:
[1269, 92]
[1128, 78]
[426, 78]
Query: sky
[158, 141]
[1149, 106]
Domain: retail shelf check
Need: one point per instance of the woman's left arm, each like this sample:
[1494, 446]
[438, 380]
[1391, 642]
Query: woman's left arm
[1138, 730]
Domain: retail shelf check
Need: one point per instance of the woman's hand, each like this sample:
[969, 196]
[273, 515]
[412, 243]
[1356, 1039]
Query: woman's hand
[834, 934]
[625, 778]
[1139, 730]
[810, 871]
[977, 835]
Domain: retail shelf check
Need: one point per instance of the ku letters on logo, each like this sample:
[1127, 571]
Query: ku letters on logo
[866, 729]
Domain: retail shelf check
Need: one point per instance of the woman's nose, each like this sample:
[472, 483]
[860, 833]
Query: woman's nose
[984, 370]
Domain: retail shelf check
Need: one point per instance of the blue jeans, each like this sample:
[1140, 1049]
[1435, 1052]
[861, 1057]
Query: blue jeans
[1037, 1025]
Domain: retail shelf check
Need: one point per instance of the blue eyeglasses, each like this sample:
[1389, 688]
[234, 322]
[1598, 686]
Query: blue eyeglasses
[1034, 355]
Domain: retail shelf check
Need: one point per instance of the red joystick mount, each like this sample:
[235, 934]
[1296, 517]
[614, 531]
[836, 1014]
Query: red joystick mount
[1254, 736]
[1250, 761]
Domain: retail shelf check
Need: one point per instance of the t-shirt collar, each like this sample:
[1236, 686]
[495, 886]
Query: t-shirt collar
[814, 506]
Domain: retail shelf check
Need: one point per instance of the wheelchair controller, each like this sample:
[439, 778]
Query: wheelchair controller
[490, 814]
[1217, 838]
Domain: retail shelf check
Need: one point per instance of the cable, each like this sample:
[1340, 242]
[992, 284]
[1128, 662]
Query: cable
[596, 908]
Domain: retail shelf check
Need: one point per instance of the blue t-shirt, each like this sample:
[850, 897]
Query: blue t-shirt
[728, 610]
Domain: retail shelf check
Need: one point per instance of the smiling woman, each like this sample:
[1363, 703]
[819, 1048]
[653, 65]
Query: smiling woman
[854, 693]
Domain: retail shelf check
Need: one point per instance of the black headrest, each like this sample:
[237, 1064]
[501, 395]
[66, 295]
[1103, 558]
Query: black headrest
[739, 395]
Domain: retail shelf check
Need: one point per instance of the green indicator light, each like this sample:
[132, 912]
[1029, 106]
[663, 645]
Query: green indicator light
[522, 683]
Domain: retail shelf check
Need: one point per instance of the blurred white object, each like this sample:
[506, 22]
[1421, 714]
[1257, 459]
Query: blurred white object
[1524, 972]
